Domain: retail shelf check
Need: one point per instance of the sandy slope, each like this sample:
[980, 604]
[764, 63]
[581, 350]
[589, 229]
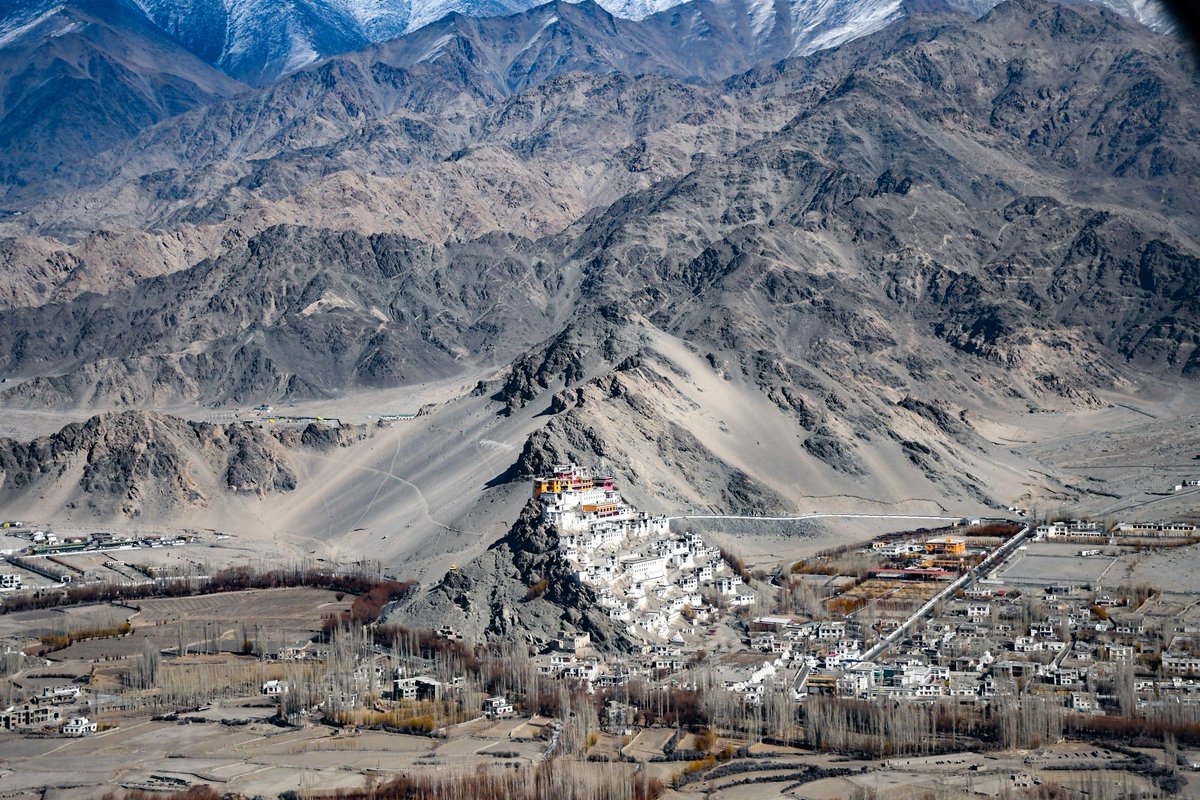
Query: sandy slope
[424, 494]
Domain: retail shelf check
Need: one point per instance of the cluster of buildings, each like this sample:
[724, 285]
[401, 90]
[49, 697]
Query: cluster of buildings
[650, 580]
[46, 710]
[47, 542]
[1084, 647]
[984, 638]
[1083, 529]
[44, 557]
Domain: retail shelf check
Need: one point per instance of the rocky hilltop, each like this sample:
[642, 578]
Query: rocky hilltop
[130, 463]
[522, 588]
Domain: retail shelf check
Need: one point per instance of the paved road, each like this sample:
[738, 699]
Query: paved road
[980, 570]
[817, 516]
[1127, 505]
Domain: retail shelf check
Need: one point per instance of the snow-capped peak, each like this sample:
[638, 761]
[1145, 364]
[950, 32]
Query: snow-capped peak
[260, 40]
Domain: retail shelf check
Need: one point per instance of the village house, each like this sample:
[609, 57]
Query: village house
[497, 708]
[59, 694]
[946, 546]
[29, 715]
[79, 726]
[1155, 529]
[1181, 664]
[419, 687]
[979, 610]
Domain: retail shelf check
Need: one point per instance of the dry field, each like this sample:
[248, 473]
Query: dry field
[892, 595]
[255, 759]
[278, 616]
[302, 606]
[1170, 569]
[1046, 563]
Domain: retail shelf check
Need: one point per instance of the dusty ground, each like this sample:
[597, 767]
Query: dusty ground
[1169, 570]
[1127, 456]
[260, 759]
[1044, 563]
[269, 618]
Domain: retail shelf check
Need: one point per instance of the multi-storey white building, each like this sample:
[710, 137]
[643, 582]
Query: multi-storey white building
[642, 574]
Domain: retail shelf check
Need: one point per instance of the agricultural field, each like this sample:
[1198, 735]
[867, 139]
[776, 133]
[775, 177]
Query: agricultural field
[210, 623]
[891, 597]
[299, 607]
[235, 749]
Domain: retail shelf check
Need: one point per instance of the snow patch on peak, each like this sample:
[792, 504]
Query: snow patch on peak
[379, 20]
[637, 9]
[435, 49]
[259, 40]
[1150, 13]
[15, 28]
[302, 54]
[762, 17]
[831, 23]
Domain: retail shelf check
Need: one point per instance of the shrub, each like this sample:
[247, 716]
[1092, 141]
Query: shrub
[538, 589]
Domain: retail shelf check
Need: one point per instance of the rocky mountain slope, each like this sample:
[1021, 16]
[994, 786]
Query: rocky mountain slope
[260, 322]
[448, 148]
[813, 284]
[85, 76]
[257, 41]
[81, 78]
[521, 587]
[985, 221]
[134, 464]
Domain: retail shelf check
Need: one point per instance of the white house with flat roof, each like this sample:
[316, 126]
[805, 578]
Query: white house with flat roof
[79, 726]
[497, 707]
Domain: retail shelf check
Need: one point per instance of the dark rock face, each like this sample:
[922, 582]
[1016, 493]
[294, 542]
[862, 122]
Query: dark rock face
[562, 359]
[826, 445]
[521, 589]
[253, 465]
[322, 437]
[130, 462]
[293, 313]
[81, 78]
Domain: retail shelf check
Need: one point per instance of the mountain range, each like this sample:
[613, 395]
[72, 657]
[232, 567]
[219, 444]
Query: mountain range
[258, 41]
[82, 77]
[745, 278]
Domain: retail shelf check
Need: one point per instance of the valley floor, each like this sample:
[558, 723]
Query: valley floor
[256, 758]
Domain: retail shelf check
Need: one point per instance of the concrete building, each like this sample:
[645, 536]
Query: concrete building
[946, 546]
[497, 708]
[646, 570]
[1181, 664]
[79, 726]
[29, 715]
[60, 694]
